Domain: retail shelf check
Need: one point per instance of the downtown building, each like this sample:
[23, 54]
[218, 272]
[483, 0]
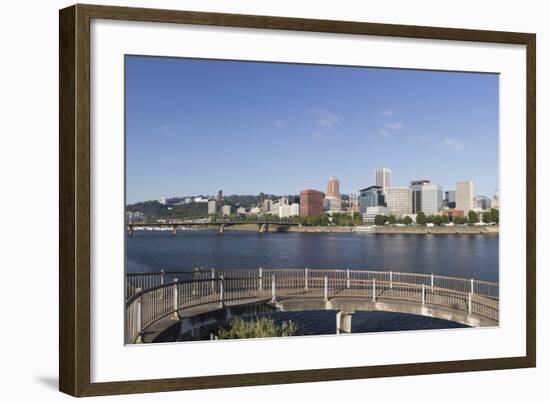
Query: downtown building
[426, 197]
[399, 200]
[450, 199]
[311, 202]
[333, 199]
[371, 197]
[465, 196]
[212, 206]
[383, 178]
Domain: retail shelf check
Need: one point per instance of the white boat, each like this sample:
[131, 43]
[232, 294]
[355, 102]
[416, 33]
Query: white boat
[363, 230]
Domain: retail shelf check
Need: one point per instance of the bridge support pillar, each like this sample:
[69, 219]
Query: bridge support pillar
[220, 230]
[174, 230]
[263, 228]
[131, 231]
[343, 322]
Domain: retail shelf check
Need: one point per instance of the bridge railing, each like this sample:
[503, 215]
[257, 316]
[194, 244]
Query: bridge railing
[154, 296]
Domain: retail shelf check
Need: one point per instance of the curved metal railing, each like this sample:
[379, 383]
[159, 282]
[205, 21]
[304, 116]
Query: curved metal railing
[152, 297]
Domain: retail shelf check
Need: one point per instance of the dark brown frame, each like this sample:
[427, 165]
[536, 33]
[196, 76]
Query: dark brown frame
[74, 199]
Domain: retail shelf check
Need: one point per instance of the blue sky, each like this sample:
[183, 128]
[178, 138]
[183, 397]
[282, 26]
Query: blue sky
[197, 126]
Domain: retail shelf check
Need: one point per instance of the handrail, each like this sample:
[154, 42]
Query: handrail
[147, 305]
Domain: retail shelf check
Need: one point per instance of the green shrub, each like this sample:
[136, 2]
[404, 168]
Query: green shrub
[257, 328]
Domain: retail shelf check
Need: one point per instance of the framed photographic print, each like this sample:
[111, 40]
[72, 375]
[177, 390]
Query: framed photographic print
[250, 200]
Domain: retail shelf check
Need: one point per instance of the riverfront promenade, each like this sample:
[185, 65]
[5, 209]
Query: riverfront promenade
[183, 302]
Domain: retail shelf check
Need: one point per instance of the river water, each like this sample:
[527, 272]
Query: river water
[466, 256]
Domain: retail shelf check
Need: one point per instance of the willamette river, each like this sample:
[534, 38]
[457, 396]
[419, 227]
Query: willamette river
[467, 256]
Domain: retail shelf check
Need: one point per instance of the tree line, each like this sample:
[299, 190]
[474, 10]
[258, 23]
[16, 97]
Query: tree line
[491, 216]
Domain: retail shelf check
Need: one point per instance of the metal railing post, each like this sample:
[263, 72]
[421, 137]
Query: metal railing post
[432, 282]
[391, 280]
[221, 290]
[347, 280]
[326, 288]
[273, 289]
[470, 302]
[138, 316]
[261, 284]
[423, 294]
[175, 298]
[213, 279]
[306, 287]
[471, 285]
[374, 290]
[161, 276]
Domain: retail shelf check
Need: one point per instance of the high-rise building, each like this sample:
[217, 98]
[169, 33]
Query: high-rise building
[311, 202]
[334, 199]
[220, 196]
[333, 187]
[450, 199]
[399, 200]
[383, 178]
[212, 206]
[226, 210]
[426, 197]
[370, 197]
[465, 196]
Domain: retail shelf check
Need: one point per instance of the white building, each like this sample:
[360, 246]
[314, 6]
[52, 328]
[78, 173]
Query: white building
[226, 210]
[373, 211]
[464, 196]
[289, 210]
[383, 178]
[334, 204]
[399, 200]
[241, 210]
[426, 197]
[255, 210]
[212, 206]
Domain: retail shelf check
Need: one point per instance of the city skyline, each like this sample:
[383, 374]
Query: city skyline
[315, 122]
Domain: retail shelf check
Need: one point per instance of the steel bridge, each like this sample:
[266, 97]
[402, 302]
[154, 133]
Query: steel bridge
[263, 226]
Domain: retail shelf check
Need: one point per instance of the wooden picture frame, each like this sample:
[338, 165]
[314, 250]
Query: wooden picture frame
[74, 199]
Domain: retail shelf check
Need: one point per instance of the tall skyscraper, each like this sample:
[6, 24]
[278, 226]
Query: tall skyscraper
[426, 197]
[334, 200]
[465, 196]
[333, 187]
[370, 197]
[383, 178]
[311, 202]
[399, 200]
